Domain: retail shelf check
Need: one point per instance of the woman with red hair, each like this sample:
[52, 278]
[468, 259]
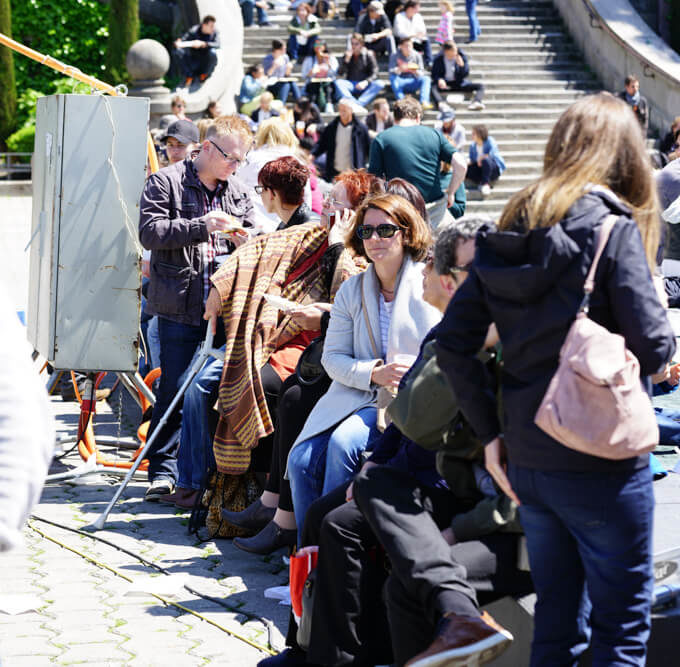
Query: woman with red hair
[272, 514]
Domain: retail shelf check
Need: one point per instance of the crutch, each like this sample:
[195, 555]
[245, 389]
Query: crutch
[205, 352]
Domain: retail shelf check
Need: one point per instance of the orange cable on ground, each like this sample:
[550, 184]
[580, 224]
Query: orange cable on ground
[75, 73]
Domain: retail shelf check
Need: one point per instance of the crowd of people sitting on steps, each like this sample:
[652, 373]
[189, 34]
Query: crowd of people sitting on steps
[370, 332]
[300, 76]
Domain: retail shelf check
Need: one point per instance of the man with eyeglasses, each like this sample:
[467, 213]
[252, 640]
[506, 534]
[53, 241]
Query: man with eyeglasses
[192, 214]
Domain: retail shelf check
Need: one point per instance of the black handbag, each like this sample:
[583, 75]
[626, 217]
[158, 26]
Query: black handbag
[309, 369]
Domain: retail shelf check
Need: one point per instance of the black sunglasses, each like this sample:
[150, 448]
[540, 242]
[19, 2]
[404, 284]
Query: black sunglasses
[260, 189]
[384, 231]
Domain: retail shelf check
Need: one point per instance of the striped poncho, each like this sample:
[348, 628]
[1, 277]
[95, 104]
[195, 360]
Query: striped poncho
[255, 329]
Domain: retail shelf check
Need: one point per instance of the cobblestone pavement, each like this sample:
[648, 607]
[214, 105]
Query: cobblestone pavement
[85, 618]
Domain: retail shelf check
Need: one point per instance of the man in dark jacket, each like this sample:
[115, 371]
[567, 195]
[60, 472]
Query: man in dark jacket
[380, 118]
[187, 214]
[344, 141]
[357, 73]
[196, 50]
[376, 29]
[449, 71]
[631, 96]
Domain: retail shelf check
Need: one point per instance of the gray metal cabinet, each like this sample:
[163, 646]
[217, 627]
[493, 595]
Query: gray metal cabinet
[85, 280]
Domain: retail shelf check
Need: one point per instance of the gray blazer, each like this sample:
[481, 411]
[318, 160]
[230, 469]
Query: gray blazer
[348, 355]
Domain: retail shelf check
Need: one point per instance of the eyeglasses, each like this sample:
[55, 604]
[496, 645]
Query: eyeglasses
[229, 158]
[260, 189]
[384, 231]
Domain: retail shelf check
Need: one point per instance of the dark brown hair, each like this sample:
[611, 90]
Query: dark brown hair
[416, 232]
[401, 187]
[287, 176]
[482, 131]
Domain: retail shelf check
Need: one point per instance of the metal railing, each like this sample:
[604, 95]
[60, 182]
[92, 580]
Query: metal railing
[12, 164]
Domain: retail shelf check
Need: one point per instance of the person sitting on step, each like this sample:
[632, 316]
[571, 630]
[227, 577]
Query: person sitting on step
[486, 164]
[449, 72]
[196, 50]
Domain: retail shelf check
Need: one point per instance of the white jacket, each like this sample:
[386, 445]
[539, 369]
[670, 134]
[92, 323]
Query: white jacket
[348, 355]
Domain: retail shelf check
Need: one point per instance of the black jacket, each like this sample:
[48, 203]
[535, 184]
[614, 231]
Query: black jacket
[363, 68]
[439, 70]
[531, 286]
[360, 142]
[372, 121]
[171, 225]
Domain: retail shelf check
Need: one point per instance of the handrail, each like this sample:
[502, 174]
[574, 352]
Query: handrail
[603, 24]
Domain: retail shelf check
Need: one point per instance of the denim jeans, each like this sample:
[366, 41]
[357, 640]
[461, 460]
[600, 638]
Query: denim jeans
[298, 51]
[281, 90]
[327, 460]
[408, 84]
[475, 28]
[247, 12]
[347, 88]
[195, 454]
[178, 345]
[669, 426]
[589, 539]
[196, 62]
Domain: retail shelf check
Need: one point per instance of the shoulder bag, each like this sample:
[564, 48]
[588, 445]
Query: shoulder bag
[595, 403]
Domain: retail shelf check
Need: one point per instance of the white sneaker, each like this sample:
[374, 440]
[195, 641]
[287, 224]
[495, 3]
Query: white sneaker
[485, 190]
[476, 106]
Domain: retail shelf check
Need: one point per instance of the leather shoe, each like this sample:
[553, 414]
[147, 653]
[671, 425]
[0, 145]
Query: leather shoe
[253, 517]
[464, 640]
[183, 498]
[269, 539]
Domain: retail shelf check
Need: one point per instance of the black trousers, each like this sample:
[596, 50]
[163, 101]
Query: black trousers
[491, 569]
[485, 174]
[463, 87]
[294, 405]
[271, 385]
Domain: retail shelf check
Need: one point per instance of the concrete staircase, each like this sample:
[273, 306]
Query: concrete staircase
[530, 67]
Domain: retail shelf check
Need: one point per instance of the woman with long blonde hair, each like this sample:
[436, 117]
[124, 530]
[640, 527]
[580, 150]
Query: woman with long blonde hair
[588, 520]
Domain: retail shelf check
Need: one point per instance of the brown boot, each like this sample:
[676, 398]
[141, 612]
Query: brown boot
[464, 641]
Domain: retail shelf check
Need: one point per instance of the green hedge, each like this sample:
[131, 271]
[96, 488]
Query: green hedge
[8, 94]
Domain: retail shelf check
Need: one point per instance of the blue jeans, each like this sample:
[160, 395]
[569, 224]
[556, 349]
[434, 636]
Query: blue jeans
[475, 28]
[669, 426]
[329, 459]
[247, 12]
[298, 51]
[281, 90]
[178, 345]
[195, 454]
[347, 88]
[409, 84]
[589, 539]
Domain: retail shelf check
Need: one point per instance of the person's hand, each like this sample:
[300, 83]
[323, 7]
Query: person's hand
[663, 375]
[348, 55]
[459, 60]
[479, 162]
[177, 42]
[450, 199]
[495, 463]
[441, 84]
[310, 129]
[218, 221]
[349, 494]
[213, 308]
[674, 375]
[369, 38]
[343, 221]
[362, 85]
[388, 375]
[309, 316]
[448, 536]
[198, 44]
[238, 237]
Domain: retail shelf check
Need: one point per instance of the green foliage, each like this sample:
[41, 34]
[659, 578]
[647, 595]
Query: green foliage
[72, 31]
[22, 140]
[123, 33]
[8, 92]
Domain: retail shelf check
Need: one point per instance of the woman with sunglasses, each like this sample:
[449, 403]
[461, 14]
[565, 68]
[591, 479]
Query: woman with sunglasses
[375, 317]
[271, 515]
